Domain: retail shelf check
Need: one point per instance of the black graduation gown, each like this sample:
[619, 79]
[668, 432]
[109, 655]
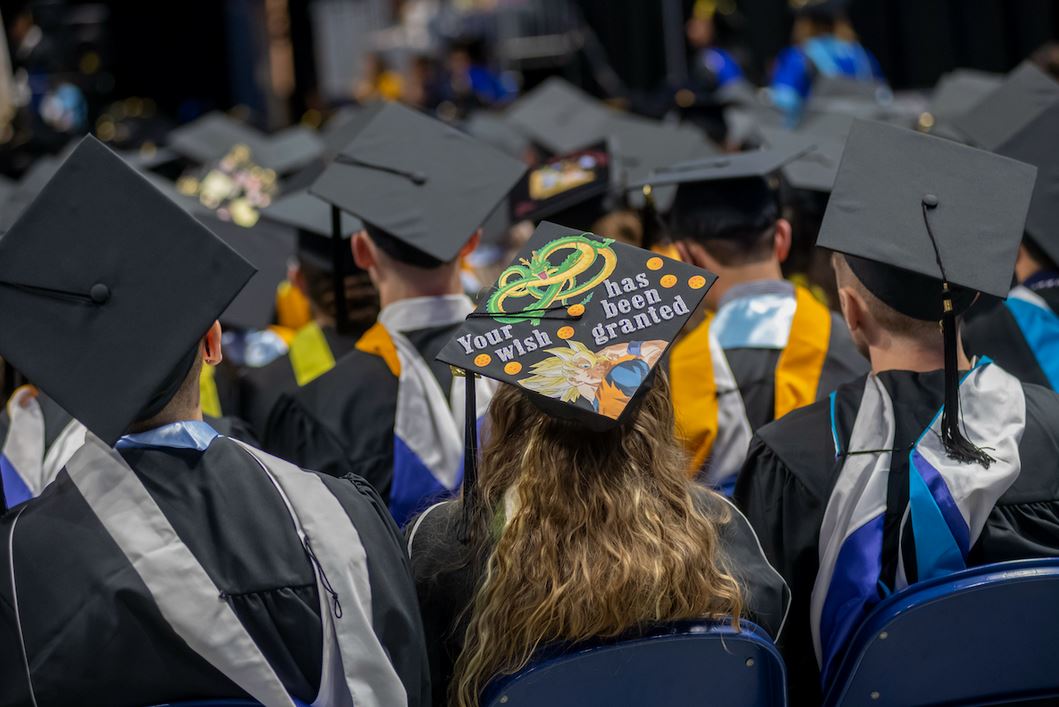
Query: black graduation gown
[55, 421]
[996, 334]
[261, 388]
[93, 634]
[755, 372]
[343, 421]
[446, 586]
[791, 470]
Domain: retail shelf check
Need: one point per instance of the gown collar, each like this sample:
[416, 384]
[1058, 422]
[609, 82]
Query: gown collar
[186, 434]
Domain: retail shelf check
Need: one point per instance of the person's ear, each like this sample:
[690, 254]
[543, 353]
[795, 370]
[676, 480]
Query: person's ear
[694, 254]
[363, 250]
[297, 278]
[211, 345]
[782, 240]
[471, 243]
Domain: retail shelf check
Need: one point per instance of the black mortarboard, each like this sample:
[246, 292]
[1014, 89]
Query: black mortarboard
[925, 223]
[816, 165]
[311, 216]
[740, 165]
[644, 145]
[958, 92]
[493, 129]
[1025, 94]
[579, 323]
[1038, 144]
[569, 186]
[419, 181]
[106, 287]
[559, 117]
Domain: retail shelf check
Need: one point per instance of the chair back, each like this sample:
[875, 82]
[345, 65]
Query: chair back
[687, 663]
[984, 635]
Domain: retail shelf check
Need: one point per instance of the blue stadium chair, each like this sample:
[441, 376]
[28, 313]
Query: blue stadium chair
[688, 663]
[985, 635]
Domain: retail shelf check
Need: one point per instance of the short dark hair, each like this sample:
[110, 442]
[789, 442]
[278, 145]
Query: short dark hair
[735, 220]
[401, 251]
[1038, 254]
[362, 301]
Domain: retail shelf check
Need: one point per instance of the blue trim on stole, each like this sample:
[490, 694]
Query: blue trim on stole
[1040, 328]
[15, 489]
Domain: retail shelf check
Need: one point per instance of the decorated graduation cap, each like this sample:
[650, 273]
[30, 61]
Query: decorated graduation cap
[210, 138]
[579, 323]
[106, 288]
[926, 223]
[423, 186]
[1019, 100]
[571, 188]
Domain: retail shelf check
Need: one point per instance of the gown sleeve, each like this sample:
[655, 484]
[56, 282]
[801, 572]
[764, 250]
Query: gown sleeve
[395, 609]
[786, 517]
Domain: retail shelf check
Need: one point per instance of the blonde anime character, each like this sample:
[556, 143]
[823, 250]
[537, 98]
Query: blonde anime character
[607, 378]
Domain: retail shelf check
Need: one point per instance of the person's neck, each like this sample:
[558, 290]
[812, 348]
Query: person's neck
[909, 355]
[430, 285]
[732, 277]
[169, 415]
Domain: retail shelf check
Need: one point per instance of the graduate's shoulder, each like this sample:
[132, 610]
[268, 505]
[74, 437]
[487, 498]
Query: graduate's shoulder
[358, 375]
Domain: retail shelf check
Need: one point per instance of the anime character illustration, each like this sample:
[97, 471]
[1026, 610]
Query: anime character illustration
[607, 378]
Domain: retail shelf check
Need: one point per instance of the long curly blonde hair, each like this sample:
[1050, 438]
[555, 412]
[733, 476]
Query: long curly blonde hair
[603, 537]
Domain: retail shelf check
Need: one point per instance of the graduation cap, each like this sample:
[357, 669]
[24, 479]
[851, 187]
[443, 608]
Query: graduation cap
[926, 223]
[816, 164]
[956, 93]
[420, 182]
[579, 323]
[27, 189]
[752, 164]
[1038, 144]
[493, 129]
[212, 136]
[559, 117]
[106, 288]
[311, 216]
[571, 188]
[1019, 100]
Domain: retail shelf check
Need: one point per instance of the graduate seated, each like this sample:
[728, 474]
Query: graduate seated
[333, 330]
[384, 412]
[579, 521]
[1022, 335]
[766, 346]
[932, 462]
[825, 45]
[166, 562]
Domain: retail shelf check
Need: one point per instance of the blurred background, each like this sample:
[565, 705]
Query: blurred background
[130, 71]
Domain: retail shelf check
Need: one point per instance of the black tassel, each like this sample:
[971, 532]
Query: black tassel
[958, 447]
[650, 220]
[338, 278]
[470, 458]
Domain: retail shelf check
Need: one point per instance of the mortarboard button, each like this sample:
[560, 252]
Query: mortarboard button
[99, 293]
[930, 200]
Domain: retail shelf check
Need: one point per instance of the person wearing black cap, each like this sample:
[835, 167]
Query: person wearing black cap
[825, 46]
[166, 562]
[384, 412]
[1022, 335]
[783, 347]
[932, 462]
[315, 347]
[579, 456]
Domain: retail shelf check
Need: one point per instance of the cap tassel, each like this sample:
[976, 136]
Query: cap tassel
[470, 457]
[650, 219]
[338, 278]
[958, 447]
